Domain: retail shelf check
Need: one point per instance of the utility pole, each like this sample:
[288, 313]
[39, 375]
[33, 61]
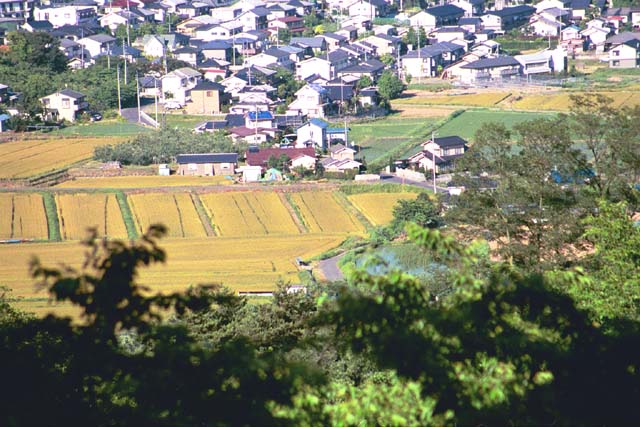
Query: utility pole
[119, 100]
[433, 156]
[419, 55]
[125, 62]
[138, 96]
[155, 94]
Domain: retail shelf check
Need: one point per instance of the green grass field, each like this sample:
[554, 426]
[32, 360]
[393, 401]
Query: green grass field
[185, 121]
[103, 128]
[466, 124]
[377, 138]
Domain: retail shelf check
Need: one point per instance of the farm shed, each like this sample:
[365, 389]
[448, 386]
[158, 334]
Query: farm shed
[207, 164]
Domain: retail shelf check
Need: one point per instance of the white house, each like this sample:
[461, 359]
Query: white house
[66, 104]
[625, 55]
[312, 134]
[99, 44]
[315, 66]
[177, 85]
[311, 100]
[66, 15]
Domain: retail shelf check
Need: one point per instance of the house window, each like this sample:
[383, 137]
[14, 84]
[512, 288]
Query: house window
[65, 103]
[209, 93]
[616, 53]
[615, 63]
[192, 167]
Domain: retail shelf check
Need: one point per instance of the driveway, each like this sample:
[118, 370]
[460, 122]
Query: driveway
[330, 270]
[131, 114]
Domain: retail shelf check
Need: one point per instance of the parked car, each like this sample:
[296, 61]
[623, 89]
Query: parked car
[94, 116]
[172, 105]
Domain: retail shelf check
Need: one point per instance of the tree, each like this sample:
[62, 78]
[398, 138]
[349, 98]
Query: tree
[389, 85]
[421, 211]
[121, 365]
[364, 81]
[387, 59]
[34, 50]
[532, 218]
[504, 348]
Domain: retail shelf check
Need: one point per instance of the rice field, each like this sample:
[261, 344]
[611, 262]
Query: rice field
[473, 100]
[561, 101]
[175, 210]
[78, 212]
[321, 213]
[22, 159]
[22, 216]
[378, 207]
[145, 182]
[248, 214]
[242, 264]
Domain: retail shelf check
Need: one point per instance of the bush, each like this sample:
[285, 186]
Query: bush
[164, 146]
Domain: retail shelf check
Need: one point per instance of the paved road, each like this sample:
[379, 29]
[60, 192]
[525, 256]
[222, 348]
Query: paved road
[330, 270]
[131, 114]
[428, 184]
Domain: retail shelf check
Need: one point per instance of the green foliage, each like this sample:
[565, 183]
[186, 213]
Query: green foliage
[121, 366]
[421, 211]
[51, 210]
[504, 349]
[164, 146]
[365, 81]
[389, 85]
[37, 50]
[615, 265]
[127, 215]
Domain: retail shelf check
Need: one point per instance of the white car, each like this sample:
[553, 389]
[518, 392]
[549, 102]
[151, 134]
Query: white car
[172, 105]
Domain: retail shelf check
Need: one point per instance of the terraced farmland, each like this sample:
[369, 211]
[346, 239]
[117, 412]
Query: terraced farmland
[176, 211]
[248, 214]
[22, 216]
[78, 212]
[473, 99]
[22, 159]
[145, 181]
[321, 213]
[561, 101]
[378, 207]
[243, 264]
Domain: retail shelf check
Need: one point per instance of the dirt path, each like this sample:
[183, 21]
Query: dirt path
[292, 213]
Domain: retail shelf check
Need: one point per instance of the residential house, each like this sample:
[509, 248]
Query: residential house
[154, 47]
[507, 18]
[332, 165]
[437, 16]
[440, 153]
[313, 45]
[431, 60]
[334, 41]
[192, 9]
[130, 54]
[305, 157]
[341, 152]
[472, 25]
[545, 61]
[312, 134]
[259, 120]
[280, 10]
[448, 34]
[66, 105]
[208, 164]
[370, 9]
[206, 98]
[311, 101]
[213, 69]
[543, 26]
[293, 24]
[217, 49]
[470, 7]
[33, 26]
[487, 69]
[16, 8]
[215, 32]
[189, 26]
[188, 54]
[254, 19]
[115, 19]
[177, 85]
[384, 44]
[570, 33]
[350, 32]
[595, 37]
[99, 44]
[271, 57]
[625, 55]
[368, 97]
[66, 15]
[579, 9]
